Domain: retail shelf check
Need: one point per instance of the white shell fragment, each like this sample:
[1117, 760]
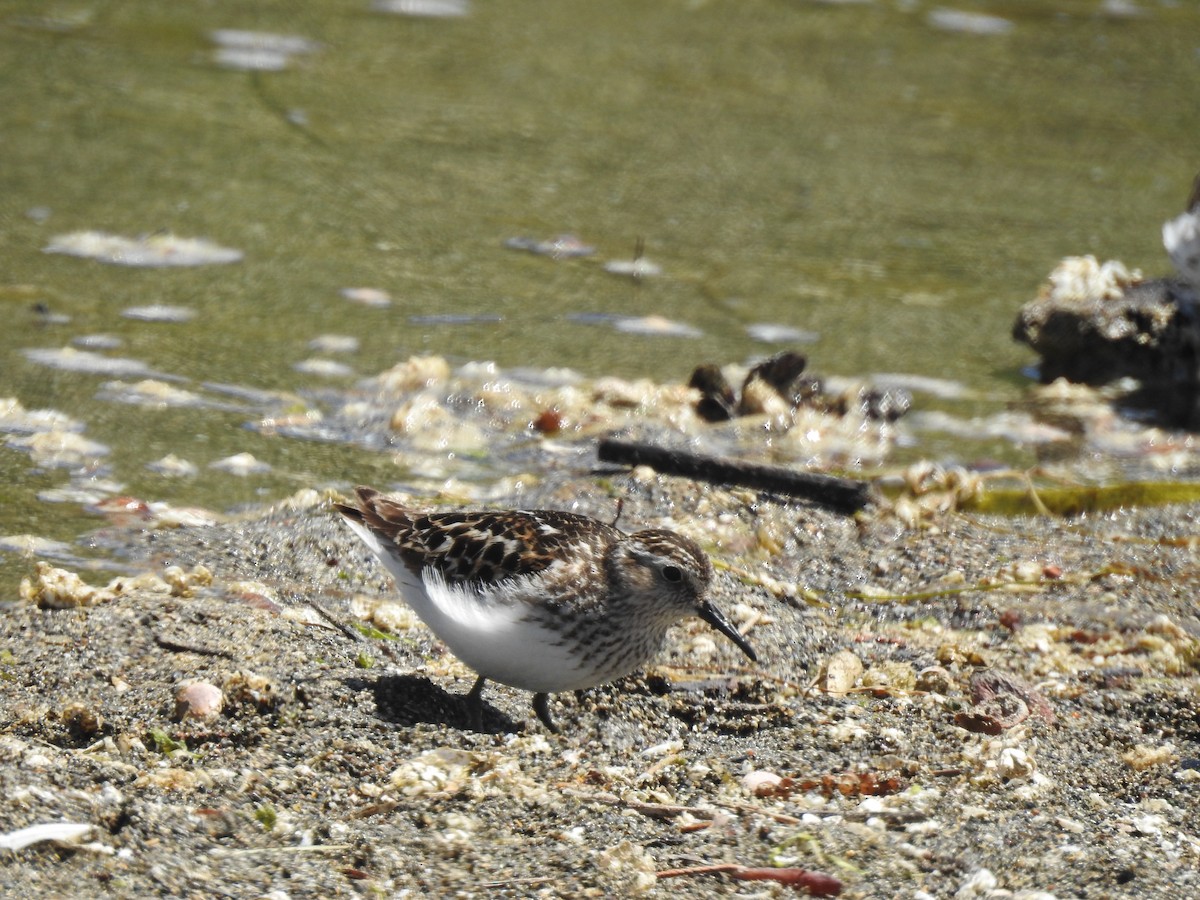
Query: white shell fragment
[257, 51]
[429, 9]
[30, 545]
[633, 268]
[172, 466]
[153, 251]
[241, 464]
[769, 333]
[645, 325]
[565, 246]
[334, 343]
[97, 342]
[367, 296]
[59, 449]
[199, 700]
[1083, 278]
[159, 312]
[656, 325]
[968, 22]
[150, 393]
[16, 419]
[69, 359]
[55, 832]
[325, 368]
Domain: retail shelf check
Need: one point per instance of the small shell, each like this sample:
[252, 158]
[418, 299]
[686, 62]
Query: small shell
[199, 700]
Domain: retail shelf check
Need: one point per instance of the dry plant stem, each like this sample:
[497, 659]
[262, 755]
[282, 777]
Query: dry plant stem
[818, 884]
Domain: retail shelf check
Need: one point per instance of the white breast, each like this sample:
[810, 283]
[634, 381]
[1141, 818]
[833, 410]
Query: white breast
[488, 626]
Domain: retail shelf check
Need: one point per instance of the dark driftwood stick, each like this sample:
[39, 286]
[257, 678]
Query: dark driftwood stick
[840, 494]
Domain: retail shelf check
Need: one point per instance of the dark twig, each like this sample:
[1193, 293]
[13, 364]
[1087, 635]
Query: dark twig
[839, 494]
[180, 647]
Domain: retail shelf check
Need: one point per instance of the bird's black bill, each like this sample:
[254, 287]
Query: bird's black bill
[717, 620]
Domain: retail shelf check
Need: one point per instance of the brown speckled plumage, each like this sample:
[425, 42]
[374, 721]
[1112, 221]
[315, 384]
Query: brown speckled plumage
[539, 599]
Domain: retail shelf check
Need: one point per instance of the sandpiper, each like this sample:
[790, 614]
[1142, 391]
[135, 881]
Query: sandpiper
[540, 600]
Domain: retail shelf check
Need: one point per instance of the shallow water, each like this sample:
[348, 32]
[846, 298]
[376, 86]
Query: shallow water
[847, 170]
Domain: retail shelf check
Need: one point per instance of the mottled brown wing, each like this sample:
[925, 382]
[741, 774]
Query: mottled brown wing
[482, 547]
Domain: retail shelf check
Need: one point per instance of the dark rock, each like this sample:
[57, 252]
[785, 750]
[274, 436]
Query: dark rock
[1151, 333]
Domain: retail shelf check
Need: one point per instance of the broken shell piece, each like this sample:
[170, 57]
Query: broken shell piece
[760, 782]
[54, 588]
[199, 700]
[153, 251]
[842, 673]
[935, 680]
[241, 464]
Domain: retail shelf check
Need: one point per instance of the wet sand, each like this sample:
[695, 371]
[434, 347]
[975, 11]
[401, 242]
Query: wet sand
[340, 764]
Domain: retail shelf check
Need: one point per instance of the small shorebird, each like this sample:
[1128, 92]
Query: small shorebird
[540, 600]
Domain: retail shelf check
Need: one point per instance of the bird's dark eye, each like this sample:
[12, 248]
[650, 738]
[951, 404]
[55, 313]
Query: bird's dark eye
[672, 573]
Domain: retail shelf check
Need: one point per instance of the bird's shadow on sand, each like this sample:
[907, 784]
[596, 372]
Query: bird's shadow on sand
[413, 699]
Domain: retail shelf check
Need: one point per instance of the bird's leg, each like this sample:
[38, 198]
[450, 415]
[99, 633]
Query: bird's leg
[541, 706]
[474, 700]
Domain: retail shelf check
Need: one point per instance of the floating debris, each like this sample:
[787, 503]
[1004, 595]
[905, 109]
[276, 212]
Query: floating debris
[325, 368]
[159, 312]
[565, 246]
[241, 464]
[923, 384]
[152, 251]
[768, 333]
[657, 325]
[968, 22]
[97, 342]
[32, 545]
[367, 296]
[636, 269]
[15, 419]
[334, 343]
[429, 9]
[648, 325]
[87, 495]
[69, 359]
[455, 319]
[258, 51]
[151, 393]
[1018, 428]
[60, 449]
[172, 466]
